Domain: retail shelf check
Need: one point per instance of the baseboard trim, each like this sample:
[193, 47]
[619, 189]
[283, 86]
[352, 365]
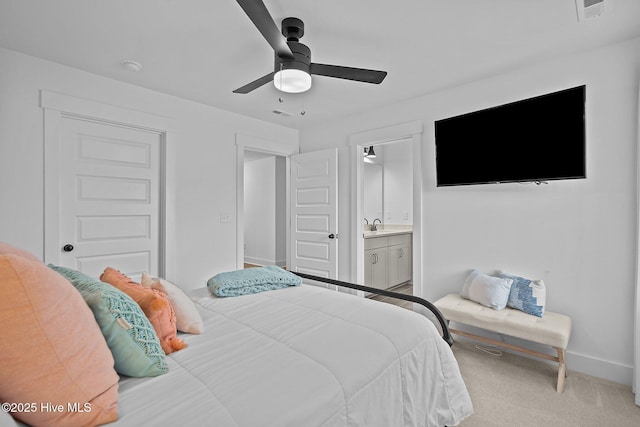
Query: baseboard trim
[594, 366]
[257, 261]
[262, 261]
[590, 365]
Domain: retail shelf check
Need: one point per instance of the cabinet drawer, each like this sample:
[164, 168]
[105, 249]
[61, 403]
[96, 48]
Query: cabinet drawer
[400, 239]
[376, 242]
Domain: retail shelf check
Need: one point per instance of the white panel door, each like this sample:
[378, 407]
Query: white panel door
[109, 197]
[314, 213]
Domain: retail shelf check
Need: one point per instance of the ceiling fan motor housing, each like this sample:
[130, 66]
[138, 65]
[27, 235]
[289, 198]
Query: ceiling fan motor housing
[293, 30]
[301, 58]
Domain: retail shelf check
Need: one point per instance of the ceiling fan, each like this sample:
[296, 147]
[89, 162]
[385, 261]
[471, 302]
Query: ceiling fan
[293, 67]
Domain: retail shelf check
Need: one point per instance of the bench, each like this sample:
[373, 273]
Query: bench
[552, 329]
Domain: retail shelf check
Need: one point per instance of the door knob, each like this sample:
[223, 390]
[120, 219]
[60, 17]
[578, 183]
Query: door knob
[333, 236]
[68, 247]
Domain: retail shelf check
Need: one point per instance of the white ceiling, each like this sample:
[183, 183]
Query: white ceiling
[204, 49]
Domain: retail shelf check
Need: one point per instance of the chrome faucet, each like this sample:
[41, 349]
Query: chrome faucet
[373, 224]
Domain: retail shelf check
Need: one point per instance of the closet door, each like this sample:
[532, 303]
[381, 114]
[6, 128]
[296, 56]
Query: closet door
[109, 187]
[109, 197]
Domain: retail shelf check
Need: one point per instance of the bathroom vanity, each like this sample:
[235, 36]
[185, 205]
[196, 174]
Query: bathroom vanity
[387, 257]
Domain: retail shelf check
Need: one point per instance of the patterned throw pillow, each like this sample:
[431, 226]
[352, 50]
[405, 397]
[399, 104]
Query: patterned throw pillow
[129, 334]
[526, 295]
[487, 290]
[154, 304]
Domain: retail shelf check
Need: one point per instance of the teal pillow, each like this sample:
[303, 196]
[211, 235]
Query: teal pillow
[129, 334]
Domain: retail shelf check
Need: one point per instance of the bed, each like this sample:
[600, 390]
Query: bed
[301, 356]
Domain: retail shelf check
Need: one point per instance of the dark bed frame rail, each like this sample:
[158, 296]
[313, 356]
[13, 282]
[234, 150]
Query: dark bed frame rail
[446, 335]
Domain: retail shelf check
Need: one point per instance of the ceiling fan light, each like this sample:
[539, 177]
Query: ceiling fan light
[292, 80]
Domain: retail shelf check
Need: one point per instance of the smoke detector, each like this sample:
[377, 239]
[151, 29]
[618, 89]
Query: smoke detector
[588, 9]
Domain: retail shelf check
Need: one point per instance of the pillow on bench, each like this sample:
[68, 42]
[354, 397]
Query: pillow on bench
[487, 290]
[526, 295]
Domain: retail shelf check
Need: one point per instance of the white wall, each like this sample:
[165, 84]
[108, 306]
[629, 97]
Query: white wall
[579, 236]
[205, 166]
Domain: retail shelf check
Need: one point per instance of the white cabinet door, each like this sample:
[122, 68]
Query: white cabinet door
[399, 264]
[375, 274]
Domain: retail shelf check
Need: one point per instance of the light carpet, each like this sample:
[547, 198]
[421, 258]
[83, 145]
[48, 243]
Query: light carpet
[514, 391]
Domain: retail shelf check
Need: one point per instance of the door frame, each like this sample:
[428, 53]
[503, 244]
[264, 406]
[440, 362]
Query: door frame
[636, 344]
[57, 106]
[254, 143]
[409, 130]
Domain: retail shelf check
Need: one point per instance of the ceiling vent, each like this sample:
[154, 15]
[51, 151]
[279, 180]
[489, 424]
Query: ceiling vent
[282, 113]
[588, 9]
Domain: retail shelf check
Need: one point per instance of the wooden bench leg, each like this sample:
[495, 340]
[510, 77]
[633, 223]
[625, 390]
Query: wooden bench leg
[562, 369]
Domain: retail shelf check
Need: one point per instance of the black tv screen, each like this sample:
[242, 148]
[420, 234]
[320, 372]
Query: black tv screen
[536, 139]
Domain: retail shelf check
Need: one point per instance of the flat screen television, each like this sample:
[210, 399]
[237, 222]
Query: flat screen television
[533, 140]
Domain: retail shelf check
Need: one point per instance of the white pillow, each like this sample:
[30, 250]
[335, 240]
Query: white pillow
[487, 290]
[187, 317]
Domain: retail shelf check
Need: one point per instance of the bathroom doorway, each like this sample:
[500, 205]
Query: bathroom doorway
[387, 176]
[399, 209]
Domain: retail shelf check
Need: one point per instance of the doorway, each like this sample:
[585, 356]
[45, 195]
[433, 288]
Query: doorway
[411, 133]
[388, 215]
[306, 169]
[264, 209]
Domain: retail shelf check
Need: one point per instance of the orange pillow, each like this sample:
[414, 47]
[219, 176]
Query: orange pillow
[155, 306]
[6, 249]
[53, 353]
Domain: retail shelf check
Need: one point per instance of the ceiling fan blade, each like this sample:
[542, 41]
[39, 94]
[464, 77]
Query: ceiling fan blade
[349, 73]
[255, 84]
[259, 15]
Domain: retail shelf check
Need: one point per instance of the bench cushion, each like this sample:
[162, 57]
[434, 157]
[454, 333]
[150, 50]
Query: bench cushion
[553, 329]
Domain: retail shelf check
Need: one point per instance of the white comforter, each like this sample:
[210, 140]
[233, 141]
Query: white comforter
[302, 356]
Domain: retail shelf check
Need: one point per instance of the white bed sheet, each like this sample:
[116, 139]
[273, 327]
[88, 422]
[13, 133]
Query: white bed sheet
[302, 356]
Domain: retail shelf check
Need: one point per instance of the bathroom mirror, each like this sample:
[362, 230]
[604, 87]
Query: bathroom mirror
[373, 191]
[388, 184]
